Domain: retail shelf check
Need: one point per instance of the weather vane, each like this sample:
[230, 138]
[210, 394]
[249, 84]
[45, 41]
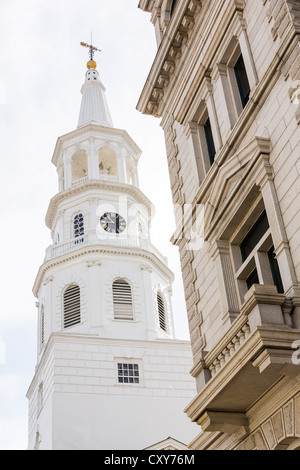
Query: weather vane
[92, 49]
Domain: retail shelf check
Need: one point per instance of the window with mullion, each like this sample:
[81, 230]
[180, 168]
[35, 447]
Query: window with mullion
[258, 261]
[78, 226]
[242, 80]
[128, 373]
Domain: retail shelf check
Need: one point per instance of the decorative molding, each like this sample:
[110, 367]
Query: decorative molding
[279, 431]
[95, 185]
[171, 47]
[93, 263]
[145, 267]
[47, 280]
[229, 178]
[137, 252]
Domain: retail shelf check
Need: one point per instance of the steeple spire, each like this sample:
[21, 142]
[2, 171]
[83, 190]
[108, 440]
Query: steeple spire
[94, 108]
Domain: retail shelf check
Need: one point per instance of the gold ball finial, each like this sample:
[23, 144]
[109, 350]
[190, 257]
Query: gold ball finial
[91, 64]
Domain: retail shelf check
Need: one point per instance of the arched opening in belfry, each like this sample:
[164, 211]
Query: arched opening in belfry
[79, 166]
[130, 172]
[107, 161]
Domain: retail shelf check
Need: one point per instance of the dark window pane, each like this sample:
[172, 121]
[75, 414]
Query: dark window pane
[173, 7]
[242, 80]
[210, 141]
[275, 270]
[252, 279]
[128, 373]
[254, 235]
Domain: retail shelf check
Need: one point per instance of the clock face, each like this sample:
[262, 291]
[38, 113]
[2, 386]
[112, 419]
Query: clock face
[112, 222]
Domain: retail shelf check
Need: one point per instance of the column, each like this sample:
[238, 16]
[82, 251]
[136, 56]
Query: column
[230, 115]
[247, 55]
[68, 169]
[94, 295]
[135, 176]
[121, 168]
[150, 318]
[228, 291]
[93, 220]
[60, 173]
[212, 113]
[93, 164]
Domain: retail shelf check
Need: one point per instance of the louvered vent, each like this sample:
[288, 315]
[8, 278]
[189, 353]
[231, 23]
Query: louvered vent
[161, 312]
[71, 306]
[122, 299]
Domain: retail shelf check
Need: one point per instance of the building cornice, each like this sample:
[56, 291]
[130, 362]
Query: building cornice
[96, 185]
[146, 5]
[93, 130]
[101, 250]
[167, 56]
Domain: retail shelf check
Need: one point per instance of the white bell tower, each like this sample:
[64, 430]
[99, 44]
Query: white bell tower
[109, 374]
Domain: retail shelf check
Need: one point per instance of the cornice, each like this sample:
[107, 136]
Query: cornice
[100, 249]
[176, 43]
[146, 5]
[95, 185]
[167, 56]
[93, 130]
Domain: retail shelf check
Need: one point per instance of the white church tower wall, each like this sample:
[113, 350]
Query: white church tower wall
[110, 373]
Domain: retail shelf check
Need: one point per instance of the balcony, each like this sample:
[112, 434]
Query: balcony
[256, 351]
[54, 251]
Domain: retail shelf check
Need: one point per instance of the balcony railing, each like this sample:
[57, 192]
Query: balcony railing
[80, 180]
[108, 177]
[56, 250]
[102, 177]
[76, 243]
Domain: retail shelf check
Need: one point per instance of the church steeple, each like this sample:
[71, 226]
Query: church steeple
[105, 322]
[94, 108]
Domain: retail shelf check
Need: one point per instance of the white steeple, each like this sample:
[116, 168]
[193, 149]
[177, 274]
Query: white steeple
[110, 373]
[94, 108]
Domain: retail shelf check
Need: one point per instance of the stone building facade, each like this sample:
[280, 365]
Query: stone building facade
[225, 84]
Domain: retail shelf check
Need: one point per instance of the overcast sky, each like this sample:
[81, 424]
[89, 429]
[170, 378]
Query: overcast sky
[42, 70]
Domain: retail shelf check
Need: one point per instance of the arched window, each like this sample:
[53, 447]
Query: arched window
[122, 299]
[79, 166]
[72, 306]
[108, 168]
[161, 310]
[78, 226]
